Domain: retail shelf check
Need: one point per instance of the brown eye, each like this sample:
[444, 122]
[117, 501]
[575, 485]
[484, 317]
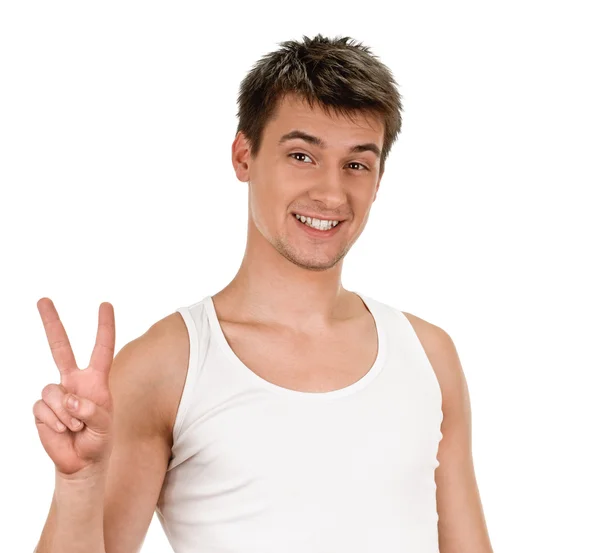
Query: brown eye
[299, 154]
[364, 167]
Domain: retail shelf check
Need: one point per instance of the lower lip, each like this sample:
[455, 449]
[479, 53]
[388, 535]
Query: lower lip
[318, 233]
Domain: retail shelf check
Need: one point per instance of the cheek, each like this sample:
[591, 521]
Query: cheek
[360, 198]
[267, 202]
[276, 191]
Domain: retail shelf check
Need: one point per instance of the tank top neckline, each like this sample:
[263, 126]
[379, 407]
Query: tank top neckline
[217, 332]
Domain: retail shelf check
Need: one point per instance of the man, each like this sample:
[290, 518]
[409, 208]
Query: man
[284, 413]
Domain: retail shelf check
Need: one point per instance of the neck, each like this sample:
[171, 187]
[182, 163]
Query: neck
[270, 288]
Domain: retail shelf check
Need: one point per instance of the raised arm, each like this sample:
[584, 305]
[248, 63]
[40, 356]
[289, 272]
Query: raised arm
[106, 506]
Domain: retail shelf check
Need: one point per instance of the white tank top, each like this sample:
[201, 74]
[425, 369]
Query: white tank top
[256, 467]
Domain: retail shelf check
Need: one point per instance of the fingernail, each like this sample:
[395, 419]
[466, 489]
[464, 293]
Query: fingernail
[75, 422]
[72, 402]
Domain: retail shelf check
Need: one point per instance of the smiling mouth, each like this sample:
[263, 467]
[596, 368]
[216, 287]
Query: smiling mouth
[317, 224]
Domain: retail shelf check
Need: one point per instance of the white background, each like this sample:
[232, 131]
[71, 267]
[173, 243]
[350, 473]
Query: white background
[116, 123]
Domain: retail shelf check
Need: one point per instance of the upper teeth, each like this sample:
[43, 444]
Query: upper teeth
[319, 224]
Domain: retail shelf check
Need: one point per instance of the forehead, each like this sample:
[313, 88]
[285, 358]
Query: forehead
[294, 112]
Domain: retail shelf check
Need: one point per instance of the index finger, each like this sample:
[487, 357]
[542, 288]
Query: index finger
[57, 337]
[104, 349]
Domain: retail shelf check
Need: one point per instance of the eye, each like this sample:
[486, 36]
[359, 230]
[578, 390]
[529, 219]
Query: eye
[299, 154]
[364, 167]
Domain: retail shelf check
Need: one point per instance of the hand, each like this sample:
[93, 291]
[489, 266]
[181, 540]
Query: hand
[87, 443]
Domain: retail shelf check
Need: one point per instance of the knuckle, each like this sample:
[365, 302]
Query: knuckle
[48, 391]
[43, 414]
[37, 407]
[59, 343]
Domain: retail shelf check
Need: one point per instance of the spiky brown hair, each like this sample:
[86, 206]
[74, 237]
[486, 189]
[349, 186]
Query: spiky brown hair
[338, 74]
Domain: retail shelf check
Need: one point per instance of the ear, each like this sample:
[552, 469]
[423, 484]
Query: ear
[240, 154]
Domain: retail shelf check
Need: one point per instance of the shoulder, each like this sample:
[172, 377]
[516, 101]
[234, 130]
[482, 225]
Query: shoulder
[431, 336]
[167, 336]
[164, 346]
[441, 352]
[158, 361]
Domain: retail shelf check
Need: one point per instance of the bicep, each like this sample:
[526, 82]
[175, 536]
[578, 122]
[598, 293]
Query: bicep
[461, 523]
[141, 449]
[133, 486]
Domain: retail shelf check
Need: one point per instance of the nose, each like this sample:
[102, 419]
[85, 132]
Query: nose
[329, 189]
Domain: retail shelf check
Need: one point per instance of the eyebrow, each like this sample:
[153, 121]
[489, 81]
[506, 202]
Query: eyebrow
[316, 141]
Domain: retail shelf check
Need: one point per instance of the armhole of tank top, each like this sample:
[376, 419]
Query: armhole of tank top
[418, 345]
[191, 373]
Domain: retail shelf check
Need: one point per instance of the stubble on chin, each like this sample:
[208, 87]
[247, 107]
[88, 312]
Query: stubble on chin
[308, 264]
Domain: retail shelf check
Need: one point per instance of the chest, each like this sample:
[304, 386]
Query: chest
[270, 470]
[321, 362]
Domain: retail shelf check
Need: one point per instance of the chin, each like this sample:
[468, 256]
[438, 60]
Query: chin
[310, 263]
[311, 266]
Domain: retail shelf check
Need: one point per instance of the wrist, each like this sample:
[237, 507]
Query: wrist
[88, 475]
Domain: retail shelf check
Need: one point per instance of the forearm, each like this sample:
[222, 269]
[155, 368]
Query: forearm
[76, 518]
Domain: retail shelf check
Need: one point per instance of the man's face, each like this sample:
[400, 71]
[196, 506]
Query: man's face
[331, 183]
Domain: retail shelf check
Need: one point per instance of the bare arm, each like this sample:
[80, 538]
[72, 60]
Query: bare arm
[138, 465]
[76, 516]
[111, 511]
[461, 525]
